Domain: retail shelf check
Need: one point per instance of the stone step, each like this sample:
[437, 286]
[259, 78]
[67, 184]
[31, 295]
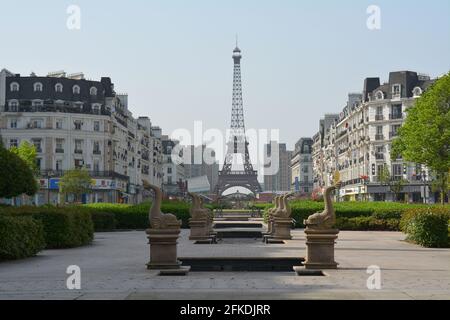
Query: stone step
[242, 264]
[237, 224]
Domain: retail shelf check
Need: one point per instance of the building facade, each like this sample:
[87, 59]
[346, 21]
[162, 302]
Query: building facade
[358, 144]
[302, 167]
[174, 176]
[202, 162]
[281, 160]
[78, 123]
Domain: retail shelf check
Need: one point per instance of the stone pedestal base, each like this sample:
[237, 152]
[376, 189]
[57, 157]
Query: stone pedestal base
[199, 230]
[282, 229]
[320, 249]
[163, 249]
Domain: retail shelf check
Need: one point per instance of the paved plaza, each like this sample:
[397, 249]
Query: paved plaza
[113, 267]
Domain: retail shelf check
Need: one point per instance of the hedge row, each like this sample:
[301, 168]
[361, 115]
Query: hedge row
[20, 237]
[65, 227]
[356, 215]
[127, 217]
[428, 227]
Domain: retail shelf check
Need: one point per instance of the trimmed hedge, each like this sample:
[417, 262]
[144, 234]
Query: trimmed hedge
[64, 227]
[129, 217]
[427, 227]
[378, 215]
[103, 221]
[20, 237]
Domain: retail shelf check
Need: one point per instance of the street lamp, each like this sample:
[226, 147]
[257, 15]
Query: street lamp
[424, 180]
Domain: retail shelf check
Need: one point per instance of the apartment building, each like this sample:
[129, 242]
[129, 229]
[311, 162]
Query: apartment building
[174, 176]
[302, 167]
[73, 123]
[201, 168]
[280, 162]
[358, 143]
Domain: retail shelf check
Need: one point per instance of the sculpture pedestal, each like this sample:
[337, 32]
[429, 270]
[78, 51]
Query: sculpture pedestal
[199, 230]
[163, 249]
[320, 248]
[282, 229]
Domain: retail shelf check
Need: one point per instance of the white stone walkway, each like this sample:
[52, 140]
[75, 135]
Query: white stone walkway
[113, 267]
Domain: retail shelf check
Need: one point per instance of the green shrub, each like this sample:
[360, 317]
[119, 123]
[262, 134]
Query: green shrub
[427, 227]
[64, 227]
[20, 237]
[103, 221]
[136, 217]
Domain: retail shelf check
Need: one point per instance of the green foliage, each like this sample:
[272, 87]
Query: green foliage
[103, 221]
[16, 177]
[20, 237]
[64, 227]
[76, 182]
[427, 227]
[425, 136]
[379, 215]
[129, 217]
[28, 153]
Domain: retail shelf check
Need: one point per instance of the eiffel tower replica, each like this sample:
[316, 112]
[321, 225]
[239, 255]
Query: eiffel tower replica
[238, 144]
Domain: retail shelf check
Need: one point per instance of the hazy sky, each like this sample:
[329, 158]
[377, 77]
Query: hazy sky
[173, 58]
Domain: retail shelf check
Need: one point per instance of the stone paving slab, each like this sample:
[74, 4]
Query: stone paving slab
[113, 267]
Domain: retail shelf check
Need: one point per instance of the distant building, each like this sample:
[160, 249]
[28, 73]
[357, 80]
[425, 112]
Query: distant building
[199, 166]
[174, 177]
[281, 180]
[302, 167]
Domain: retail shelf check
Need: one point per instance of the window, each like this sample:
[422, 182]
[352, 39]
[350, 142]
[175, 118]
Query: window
[37, 144]
[96, 145]
[96, 125]
[96, 165]
[14, 87]
[79, 163]
[59, 145]
[396, 90]
[78, 146]
[59, 124]
[93, 91]
[379, 129]
[169, 180]
[13, 143]
[13, 105]
[58, 165]
[379, 95]
[78, 124]
[37, 86]
[397, 171]
[96, 109]
[58, 87]
[13, 123]
[417, 92]
[169, 170]
[37, 103]
[35, 124]
[76, 89]
[38, 163]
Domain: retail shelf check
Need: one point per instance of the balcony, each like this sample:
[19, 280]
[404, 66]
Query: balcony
[379, 117]
[97, 152]
[59, 150]
[379, 156]
[396, 116]
[78, 151]
[379, 137]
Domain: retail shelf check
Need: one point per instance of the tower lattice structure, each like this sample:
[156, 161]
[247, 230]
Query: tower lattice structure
[238, 144]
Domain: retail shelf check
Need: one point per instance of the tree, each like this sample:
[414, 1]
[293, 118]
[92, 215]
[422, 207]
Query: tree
[16, 177]
[76, 182]
[27, 152]
[395, 185]
[425, 136]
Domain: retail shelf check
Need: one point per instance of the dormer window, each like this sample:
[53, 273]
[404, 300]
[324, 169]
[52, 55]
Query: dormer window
[14, 87]
[396, 91]
[58, 87]
[13, 105]
[417, 92]
[37, 86]
[93, 91]
[76, 89]
[379, 95]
